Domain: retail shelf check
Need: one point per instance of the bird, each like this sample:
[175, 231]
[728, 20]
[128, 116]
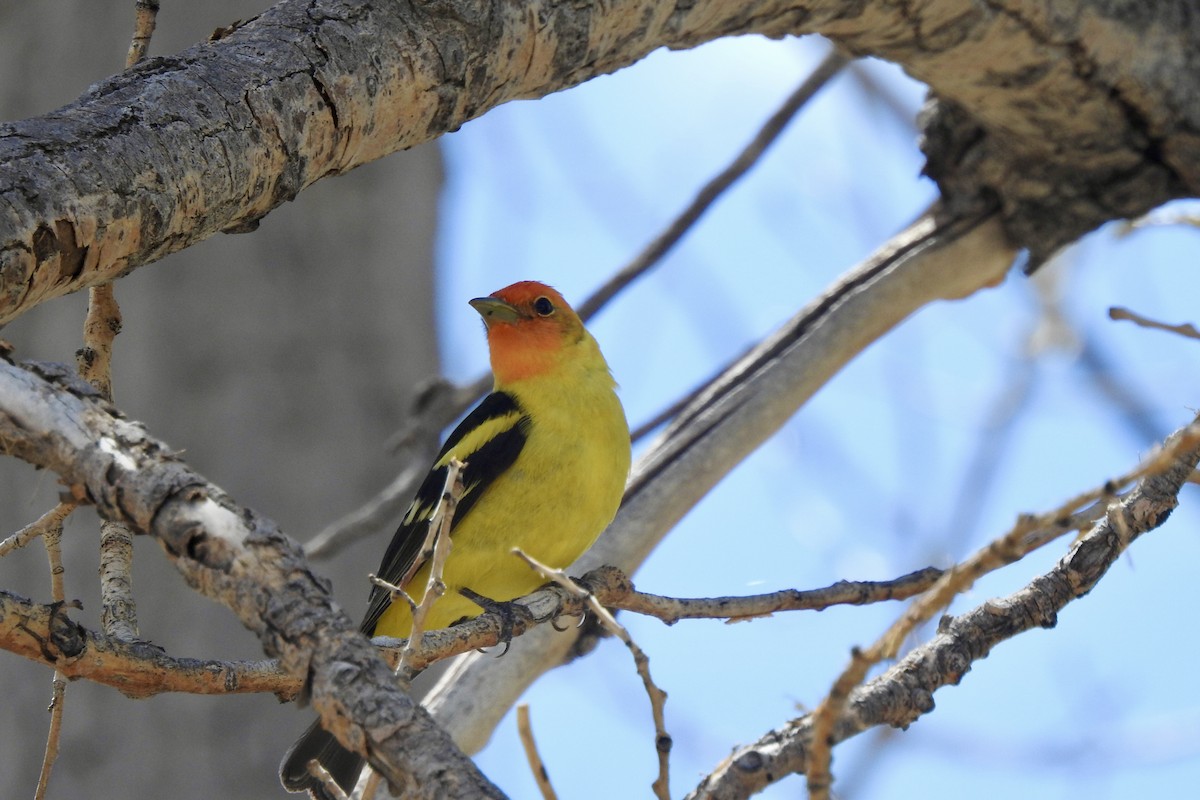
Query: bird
[546, 456]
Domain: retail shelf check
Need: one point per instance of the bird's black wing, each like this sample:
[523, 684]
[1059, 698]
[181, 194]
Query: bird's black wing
[488, 440]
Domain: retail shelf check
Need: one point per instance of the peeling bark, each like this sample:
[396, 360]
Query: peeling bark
[1040, 110]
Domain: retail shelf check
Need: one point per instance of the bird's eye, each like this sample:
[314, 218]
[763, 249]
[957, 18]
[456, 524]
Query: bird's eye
[543, 306]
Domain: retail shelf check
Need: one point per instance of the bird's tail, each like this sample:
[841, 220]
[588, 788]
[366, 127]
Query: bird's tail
[319, 744]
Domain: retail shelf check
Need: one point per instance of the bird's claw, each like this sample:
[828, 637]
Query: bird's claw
[505, 611]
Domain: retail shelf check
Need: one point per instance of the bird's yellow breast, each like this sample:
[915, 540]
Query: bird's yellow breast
[556, 498]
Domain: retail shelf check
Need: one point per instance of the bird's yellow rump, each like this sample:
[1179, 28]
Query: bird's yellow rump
[546, 454]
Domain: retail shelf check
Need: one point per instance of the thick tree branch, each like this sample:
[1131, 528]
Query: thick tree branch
[239, 559]
[1045, 115]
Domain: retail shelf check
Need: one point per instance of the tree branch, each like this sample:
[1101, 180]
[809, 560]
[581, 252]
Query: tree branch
[905, 692]
[181, 147]
[47, 635]
[44, 633]
[239, 559]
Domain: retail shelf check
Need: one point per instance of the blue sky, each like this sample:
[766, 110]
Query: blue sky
[871, 478]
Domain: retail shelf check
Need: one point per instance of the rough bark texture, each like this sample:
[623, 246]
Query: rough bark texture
[272, 362]
[1070, 133]
[54, 420]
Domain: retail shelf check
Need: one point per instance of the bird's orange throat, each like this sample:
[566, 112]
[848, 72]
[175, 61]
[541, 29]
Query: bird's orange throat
[526, 350]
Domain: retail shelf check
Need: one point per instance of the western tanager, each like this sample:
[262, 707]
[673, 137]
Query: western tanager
[546, 454]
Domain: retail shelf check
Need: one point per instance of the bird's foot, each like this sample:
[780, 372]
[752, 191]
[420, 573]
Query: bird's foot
[510, 615]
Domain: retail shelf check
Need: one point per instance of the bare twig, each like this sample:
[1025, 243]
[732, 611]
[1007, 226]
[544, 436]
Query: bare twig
[58, 696]
[118, 612]
[103, 323]
[536, 765]
[735, 609]
[658, 698]
[716, 186]
[52, 537]
[144, 20]
[1183, 329]
[318, 771]
[378, 512]
[101, 326]
[436, 551]
[45, 634]
[51, 519]
[1029, 533]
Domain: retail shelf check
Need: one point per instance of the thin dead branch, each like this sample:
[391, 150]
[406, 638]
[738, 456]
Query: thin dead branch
[436, 552]
[717, 185]
[904, 692]
[536, 765]
[52, 537]
[144, 20]
[51, 519]
[1029, 533]
[658, 698]
[1183, 329]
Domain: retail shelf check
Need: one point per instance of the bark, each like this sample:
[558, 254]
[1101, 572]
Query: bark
[52, 419]
[1039, 110]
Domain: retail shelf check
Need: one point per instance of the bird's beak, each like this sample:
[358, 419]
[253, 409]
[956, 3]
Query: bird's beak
[493, 310]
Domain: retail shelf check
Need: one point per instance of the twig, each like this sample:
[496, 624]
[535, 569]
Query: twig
[369, 518]
[736, 609]
[1184, 329]
[536, 765]
[100, 327]
[434, 551]
[145, 17]
[51, 519]
[318, 771]
[658, 698]
[52, 537]
[437, 552]
[58, 696]
[103, 323]
[1029, 533]
[715, 187]
[45, 634]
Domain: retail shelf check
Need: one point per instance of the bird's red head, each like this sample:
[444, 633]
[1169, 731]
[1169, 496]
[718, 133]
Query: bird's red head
[530, 328]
